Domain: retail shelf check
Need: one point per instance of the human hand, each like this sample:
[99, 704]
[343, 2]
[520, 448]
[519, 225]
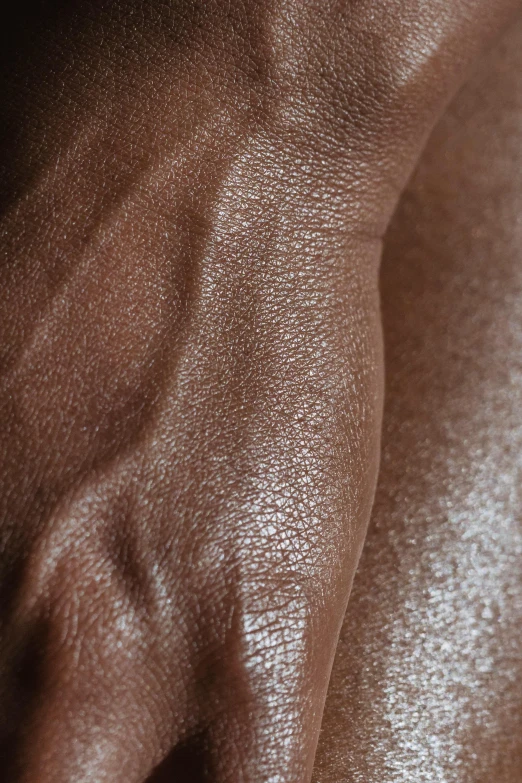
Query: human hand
[194, 197]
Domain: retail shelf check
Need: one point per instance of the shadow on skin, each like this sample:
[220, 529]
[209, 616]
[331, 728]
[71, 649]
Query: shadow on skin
[185, 764]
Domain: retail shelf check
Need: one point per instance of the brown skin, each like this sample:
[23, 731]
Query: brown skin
[427, 681]
[194, 196]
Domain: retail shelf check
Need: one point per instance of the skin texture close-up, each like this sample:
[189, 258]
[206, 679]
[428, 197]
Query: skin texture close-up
[194, 197]
[427, 681]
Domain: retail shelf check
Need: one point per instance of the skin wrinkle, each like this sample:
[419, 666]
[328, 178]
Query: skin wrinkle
[426, 682]
[256, 156]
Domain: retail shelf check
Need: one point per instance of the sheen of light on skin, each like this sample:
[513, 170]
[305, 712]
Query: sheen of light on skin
[427, 683]
[455, 616]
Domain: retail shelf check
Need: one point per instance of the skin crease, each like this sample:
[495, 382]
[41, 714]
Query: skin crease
[427, 683]
[194, 196]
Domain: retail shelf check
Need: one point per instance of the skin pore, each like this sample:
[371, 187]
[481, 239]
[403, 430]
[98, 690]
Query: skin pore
[194, 196]
[427, 683]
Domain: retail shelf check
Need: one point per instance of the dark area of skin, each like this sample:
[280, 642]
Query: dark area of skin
[193, 200]
[427, 681]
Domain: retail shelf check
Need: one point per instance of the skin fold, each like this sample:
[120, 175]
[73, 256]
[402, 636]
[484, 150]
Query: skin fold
[427, 680]
[194, 196]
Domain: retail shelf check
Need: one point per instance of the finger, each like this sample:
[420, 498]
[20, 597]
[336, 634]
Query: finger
[259, 700]
[99, 699]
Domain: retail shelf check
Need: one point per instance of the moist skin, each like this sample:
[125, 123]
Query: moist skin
[427, 681]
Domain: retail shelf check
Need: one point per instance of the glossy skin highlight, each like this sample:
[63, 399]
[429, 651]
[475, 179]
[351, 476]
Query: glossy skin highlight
[427, 681]
[194, 197]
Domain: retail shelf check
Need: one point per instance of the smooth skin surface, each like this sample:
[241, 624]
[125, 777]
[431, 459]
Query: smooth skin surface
[194, 196]
[427, 680]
